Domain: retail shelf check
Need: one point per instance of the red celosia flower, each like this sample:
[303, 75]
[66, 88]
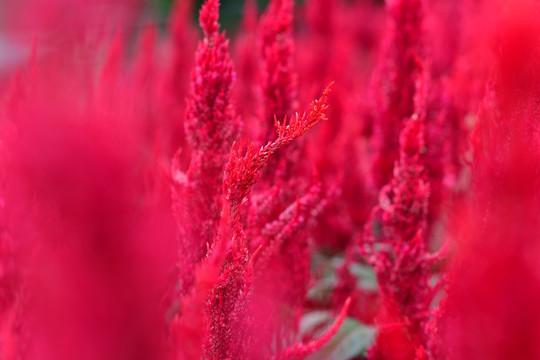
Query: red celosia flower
[248, 91]
[211, 127]
[279, 83]
[79, 211]
[393, 243]
[222, 334]
[395, 82]
[491, 310]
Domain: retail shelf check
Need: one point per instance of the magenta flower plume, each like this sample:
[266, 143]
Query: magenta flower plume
[279, 81]
[216, 310]
[393, 243]
[211, 127]
[395, 82]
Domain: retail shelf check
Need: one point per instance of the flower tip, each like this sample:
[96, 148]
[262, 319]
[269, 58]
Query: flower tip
[329, 88]
[252, 260]
[346, 305]
[209, 17]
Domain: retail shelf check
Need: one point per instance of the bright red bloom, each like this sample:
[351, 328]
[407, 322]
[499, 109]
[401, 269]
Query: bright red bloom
[211, 127]
[395, 82]
[491, 310]
[221, 328]
[279, 82]
[393, 243]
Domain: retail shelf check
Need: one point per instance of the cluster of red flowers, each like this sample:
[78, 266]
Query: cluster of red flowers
[162, 197]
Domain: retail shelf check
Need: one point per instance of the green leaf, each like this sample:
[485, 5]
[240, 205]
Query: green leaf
[352, 340]
[322, 289]
[313, 320]
[365, 275]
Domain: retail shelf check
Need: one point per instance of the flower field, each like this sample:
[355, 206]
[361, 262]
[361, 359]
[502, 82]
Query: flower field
[327, 179]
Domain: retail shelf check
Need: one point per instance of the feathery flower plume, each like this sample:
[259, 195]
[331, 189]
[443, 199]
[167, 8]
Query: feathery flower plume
[242, 171]
[248, 91]
[78, 212]
[393, 243]
[279, 81]
[395, 82]
[211, 127]
[223, 283]
[491, 308]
